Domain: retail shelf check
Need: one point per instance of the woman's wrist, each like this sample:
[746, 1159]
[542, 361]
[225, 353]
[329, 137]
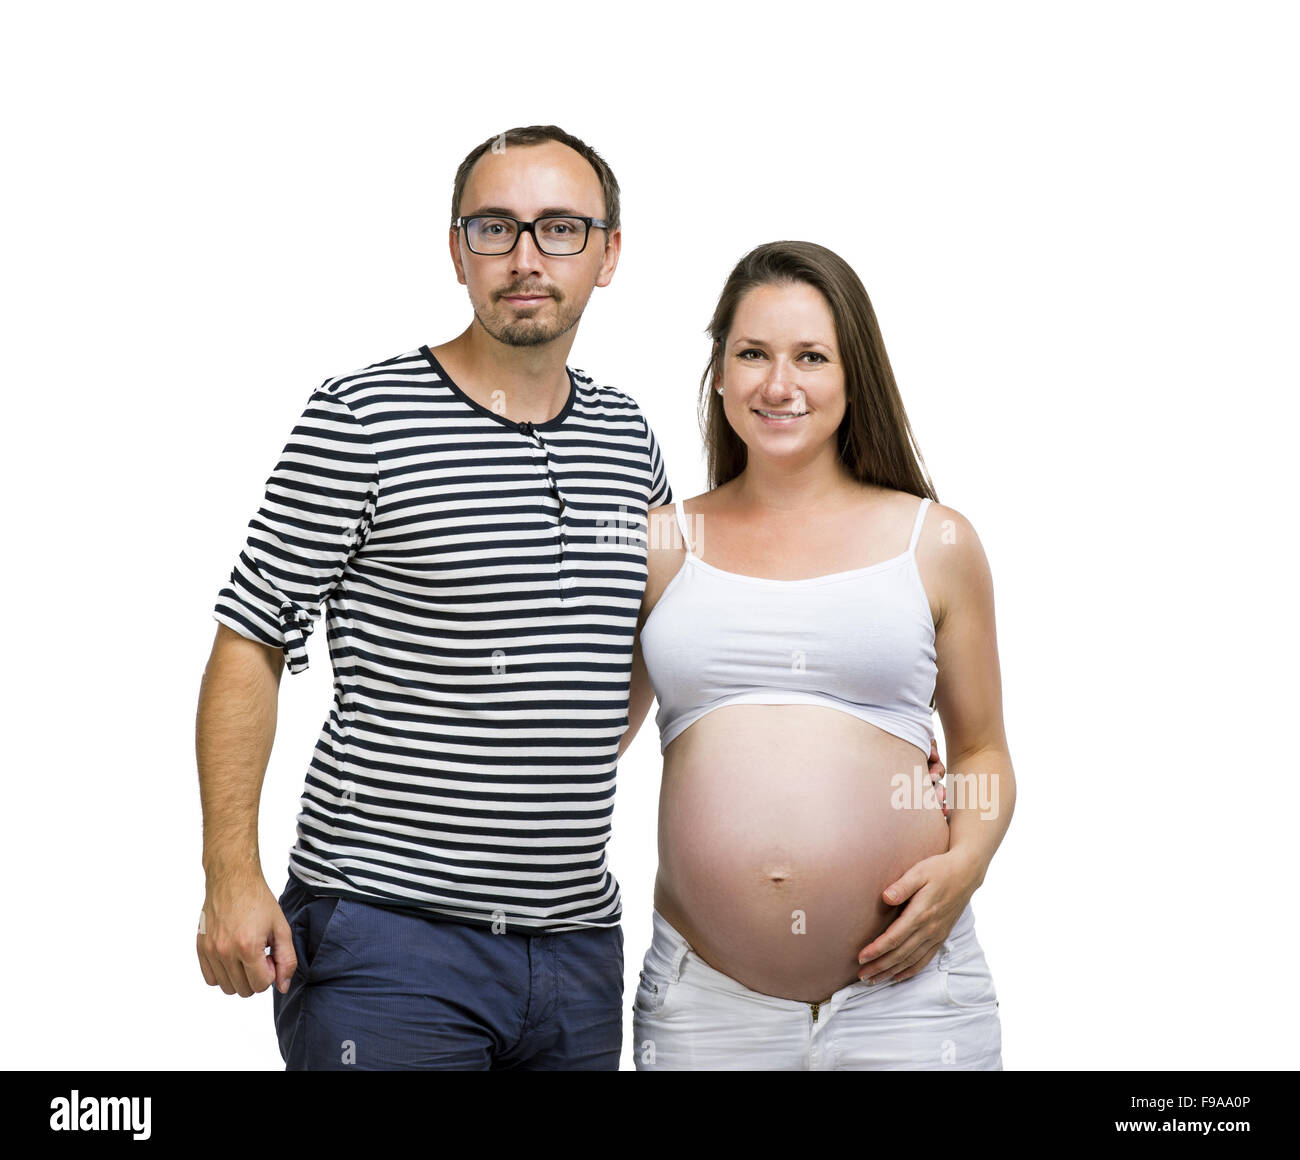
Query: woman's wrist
[972, 863]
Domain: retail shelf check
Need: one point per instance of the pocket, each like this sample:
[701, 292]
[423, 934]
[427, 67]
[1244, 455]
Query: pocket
[651, 992]
[967, 981]
[311, 924]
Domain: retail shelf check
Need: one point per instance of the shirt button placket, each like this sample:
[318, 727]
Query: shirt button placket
[526, 428]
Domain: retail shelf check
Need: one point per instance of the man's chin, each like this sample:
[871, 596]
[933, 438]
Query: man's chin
[520, 334]
[528, 332]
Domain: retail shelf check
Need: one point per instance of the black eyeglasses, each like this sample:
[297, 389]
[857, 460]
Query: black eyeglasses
[555, 235]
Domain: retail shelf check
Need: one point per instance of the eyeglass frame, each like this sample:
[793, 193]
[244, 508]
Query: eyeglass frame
[527, 228]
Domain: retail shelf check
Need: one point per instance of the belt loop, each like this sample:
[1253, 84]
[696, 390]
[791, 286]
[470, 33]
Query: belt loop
[678, 955]
[676, 942]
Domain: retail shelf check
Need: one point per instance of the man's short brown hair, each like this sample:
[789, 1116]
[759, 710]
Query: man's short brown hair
[535, 135]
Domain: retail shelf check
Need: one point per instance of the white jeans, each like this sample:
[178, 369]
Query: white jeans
[686, 1016]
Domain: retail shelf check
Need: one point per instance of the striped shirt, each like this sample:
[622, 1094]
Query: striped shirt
[482, 580]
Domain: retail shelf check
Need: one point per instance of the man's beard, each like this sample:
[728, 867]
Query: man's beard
[529, 331]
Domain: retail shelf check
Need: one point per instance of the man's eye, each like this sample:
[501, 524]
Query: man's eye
[559, 228]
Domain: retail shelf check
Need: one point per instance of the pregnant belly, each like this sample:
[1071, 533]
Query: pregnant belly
[779, 826]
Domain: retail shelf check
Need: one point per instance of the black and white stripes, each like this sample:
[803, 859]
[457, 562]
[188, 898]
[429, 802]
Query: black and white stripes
[480, 628]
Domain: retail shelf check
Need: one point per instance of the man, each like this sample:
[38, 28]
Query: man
[471, 515]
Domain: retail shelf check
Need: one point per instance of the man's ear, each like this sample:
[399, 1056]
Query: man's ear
[453, 243]
[613, 247]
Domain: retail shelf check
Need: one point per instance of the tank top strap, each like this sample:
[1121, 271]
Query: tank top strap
[681, 523]
[920, 519]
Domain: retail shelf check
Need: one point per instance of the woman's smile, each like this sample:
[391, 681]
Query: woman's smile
[780, 418]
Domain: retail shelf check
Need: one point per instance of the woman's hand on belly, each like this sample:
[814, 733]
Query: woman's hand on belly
[936, 891]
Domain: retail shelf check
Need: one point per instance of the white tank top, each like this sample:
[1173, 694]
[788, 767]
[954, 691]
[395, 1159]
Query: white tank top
[860, 641]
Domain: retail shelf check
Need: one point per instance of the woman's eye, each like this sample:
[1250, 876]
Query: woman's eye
[816, 356]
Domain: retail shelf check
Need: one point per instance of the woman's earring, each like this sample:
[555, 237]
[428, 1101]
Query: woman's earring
[718, 389]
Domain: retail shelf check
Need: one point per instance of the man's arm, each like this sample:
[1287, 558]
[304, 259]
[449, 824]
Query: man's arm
[316, 514]
[659, 518]
[639, 698]
[233, 736]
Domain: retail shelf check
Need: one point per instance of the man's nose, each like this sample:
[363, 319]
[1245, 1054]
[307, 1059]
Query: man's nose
[525, 257]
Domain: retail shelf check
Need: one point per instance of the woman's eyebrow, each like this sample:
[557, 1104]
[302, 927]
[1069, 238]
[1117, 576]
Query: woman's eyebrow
[760, 342]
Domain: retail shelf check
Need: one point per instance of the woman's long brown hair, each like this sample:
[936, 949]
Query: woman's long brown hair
[875, 438]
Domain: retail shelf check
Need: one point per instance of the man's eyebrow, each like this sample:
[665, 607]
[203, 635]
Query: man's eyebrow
[760, 342]
[563, 210]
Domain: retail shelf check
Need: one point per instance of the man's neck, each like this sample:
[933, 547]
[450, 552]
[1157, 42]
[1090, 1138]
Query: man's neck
[521, 383]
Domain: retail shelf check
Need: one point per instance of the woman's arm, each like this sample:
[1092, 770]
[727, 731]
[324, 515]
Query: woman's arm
[968, 696]
[982, 791]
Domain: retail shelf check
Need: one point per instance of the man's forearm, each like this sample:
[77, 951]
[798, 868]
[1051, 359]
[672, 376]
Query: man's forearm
[233, 736]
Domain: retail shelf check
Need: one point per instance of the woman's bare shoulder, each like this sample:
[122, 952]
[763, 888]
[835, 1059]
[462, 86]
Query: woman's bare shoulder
[664, 530]
[951, 557]
[946, 527]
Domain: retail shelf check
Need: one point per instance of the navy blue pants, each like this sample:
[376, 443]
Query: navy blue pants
[381, 989]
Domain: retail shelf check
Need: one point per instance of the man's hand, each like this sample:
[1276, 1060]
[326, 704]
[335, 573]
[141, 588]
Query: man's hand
[241, 917]
[939, 888]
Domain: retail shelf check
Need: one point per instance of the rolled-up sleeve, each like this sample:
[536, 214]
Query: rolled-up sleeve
[317, 512]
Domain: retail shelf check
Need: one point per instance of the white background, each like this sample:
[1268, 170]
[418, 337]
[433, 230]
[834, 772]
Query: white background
[1077, 226]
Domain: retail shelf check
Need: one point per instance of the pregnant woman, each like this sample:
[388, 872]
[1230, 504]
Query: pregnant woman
[800, 621]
